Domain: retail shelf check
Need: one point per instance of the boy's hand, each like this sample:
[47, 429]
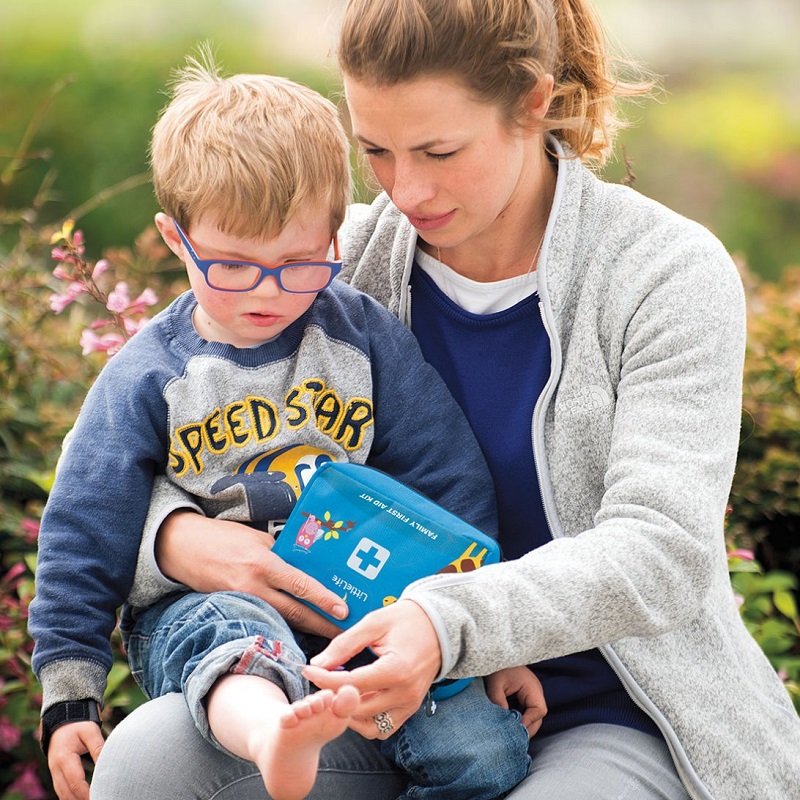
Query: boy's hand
[522, 683]
[67, 744]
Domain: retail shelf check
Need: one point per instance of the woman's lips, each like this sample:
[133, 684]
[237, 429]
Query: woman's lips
[430, 223]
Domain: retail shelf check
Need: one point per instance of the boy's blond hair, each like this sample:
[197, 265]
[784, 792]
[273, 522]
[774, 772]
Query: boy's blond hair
[248, 151]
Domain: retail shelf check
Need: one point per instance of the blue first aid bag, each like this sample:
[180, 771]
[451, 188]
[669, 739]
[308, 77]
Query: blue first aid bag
[366, 536]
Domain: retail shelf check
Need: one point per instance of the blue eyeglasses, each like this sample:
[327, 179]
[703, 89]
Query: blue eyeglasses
[297, 277]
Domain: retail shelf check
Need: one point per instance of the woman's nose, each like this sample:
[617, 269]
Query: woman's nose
[411, 187]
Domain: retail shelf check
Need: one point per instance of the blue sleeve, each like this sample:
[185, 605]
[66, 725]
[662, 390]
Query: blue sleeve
[93, 521]
[421, 435]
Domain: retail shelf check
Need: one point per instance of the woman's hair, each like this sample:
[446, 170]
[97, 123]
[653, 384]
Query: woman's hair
[249, 151]
[500, 49]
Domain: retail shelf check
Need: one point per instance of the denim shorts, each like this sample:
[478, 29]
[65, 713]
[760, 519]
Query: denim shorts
[185, 643]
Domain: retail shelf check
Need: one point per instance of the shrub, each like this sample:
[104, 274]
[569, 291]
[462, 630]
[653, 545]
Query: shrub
[43, 378]
[765, 497]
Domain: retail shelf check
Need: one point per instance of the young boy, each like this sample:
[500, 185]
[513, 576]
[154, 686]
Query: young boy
[235, 394]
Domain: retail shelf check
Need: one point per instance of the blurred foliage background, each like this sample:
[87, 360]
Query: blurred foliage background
[721, 144]
[81, 85]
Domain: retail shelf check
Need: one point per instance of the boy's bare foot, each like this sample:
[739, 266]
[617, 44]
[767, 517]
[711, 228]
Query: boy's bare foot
[290, 754]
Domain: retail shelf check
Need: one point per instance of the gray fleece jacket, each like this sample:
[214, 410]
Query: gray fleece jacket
[635, 439]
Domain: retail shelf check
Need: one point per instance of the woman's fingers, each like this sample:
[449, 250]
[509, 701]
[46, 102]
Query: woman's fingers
[401, 631]
[397, 682]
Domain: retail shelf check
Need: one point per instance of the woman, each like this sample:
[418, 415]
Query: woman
[595, 341]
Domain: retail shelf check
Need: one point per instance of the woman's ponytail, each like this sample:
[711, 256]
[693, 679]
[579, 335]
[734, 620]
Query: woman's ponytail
[584, 112]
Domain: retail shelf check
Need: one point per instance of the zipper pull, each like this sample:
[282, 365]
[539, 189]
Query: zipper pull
[430, 705]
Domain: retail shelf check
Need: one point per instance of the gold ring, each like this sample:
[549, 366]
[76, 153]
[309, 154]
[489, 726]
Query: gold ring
[384, 723]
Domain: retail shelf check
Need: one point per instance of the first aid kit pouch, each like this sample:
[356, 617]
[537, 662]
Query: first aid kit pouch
[366, 536]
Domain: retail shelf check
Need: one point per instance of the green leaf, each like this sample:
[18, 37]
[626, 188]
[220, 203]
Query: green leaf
[117, 676]
[44, 480]
[743, 565]
[774, 645]
[785, 603]
[777, 581]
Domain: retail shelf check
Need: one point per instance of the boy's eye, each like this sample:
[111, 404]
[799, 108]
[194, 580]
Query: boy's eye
[230, 266]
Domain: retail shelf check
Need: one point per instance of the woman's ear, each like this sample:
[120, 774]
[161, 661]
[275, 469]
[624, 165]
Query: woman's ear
[538, 100]
[166, 227]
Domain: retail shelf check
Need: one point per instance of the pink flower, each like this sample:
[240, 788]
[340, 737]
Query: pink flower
[147, 298]
[133, 326]
[10, 735]
[28, 784]
[109, 343]
[744, 555]
[62, 274]
[30, 529]
[13, 573]
[60, 254]
[119, 300]
[99, 268]
[77, 241]
[58, 302]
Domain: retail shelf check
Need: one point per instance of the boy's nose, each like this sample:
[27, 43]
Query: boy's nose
[269, 287]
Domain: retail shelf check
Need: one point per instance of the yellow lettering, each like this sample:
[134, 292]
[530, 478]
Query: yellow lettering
[216, 440]
[176, 461]
[264, 418]
[328, 410]
[297, 412]
[191, 437]
[356, 418]
[237, 427]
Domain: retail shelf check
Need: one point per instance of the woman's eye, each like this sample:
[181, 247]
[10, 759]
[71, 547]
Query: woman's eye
[373, 152]
[441, 156]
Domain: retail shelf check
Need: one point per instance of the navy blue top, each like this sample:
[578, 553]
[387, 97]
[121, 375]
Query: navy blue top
[496, 366]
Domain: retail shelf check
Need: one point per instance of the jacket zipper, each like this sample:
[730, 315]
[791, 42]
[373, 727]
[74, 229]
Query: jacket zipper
[632, 689]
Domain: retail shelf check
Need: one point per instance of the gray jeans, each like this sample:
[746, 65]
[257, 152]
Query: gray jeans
[158, 754]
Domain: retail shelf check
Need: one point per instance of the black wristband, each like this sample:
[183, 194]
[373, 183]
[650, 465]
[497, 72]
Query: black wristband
[70, 711]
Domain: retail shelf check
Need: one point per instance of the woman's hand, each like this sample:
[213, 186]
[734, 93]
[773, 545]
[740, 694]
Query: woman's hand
[409, 659]
[521, 683]
[211, 555]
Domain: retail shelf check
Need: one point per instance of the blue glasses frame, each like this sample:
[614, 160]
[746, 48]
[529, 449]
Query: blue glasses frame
[205, 264]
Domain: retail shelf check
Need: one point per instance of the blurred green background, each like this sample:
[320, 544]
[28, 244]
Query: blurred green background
[720, 144]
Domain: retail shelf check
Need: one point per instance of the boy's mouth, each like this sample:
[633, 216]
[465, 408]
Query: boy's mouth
[261, 320]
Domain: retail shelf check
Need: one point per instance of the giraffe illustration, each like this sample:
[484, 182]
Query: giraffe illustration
[466, 562]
